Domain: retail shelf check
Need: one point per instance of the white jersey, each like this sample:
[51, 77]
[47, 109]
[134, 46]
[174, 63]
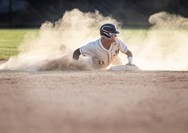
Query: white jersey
[100, 56]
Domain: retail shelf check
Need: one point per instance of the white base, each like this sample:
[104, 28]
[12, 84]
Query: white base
[124, 68]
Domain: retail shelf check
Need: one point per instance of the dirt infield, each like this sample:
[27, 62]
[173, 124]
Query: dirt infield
[94, 102]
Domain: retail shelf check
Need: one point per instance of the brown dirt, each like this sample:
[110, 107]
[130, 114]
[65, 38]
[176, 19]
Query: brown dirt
[94, 102]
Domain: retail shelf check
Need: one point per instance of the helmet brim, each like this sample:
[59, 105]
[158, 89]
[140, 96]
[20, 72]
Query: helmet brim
[115, 32]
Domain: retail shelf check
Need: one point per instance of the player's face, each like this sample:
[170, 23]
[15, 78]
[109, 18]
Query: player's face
[113, 37]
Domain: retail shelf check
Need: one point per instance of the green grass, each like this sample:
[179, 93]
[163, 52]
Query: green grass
[10, 39]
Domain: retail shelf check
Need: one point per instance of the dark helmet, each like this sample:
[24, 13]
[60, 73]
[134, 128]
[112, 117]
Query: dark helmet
[108, 30]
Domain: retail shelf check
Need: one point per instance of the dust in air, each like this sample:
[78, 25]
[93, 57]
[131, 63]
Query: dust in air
[163, 47]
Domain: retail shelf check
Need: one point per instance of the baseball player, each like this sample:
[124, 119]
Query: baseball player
[105, 49]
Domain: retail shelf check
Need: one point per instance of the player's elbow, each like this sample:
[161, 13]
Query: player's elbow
[76, 54]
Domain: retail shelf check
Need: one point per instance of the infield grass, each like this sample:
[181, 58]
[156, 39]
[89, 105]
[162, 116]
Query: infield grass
[10, 39]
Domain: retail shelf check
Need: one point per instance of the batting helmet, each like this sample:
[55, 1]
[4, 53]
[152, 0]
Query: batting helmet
[108, 30]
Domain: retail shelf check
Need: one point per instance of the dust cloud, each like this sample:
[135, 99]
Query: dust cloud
[163, 47]
[165, 44]
[52, 48]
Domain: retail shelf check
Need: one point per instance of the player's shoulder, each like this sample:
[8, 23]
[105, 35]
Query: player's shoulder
[119, 41]
[93, 43]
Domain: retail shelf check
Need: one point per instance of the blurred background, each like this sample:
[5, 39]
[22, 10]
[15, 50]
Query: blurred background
[131, 13]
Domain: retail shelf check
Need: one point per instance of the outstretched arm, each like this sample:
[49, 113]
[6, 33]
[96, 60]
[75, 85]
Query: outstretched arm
[130, 57]
[76, 54]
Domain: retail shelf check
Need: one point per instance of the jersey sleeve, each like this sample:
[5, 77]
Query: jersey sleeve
[122, 47]
[87, 49]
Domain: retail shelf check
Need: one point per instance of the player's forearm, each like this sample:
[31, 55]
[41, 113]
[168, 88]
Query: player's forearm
[76, 54]
[129, 56]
